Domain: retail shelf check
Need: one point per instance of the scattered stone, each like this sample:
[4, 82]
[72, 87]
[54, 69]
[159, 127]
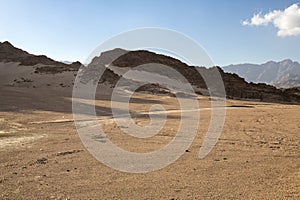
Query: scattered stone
[274, 147]
[42, 161]
[262, 142]
[63, 153]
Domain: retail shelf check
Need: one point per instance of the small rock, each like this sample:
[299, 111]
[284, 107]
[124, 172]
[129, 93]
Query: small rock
[42, 161]
[63, 153]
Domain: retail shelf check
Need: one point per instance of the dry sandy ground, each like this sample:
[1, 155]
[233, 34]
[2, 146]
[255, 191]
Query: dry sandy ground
[42, 156]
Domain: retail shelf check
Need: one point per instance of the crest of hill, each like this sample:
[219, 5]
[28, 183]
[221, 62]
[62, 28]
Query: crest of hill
[235, 86]
[9, 53]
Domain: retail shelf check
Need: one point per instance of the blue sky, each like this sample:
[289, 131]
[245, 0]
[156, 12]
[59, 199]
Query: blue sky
[72, 29]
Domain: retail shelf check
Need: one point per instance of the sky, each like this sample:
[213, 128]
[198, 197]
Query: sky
[230, 31]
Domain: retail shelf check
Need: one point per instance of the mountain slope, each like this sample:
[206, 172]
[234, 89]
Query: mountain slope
[235, 86]
[19, 68]
[9, 53]
[22, 69]
[282, 74]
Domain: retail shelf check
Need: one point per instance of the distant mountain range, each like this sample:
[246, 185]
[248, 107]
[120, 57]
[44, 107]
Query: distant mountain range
[284, 74]
[19, 68]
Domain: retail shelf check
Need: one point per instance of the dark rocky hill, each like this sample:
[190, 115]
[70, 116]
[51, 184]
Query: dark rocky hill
[112, 65]
[9, 53]
[235, 86]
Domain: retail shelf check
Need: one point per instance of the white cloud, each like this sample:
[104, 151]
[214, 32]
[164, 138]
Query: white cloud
[287, 21]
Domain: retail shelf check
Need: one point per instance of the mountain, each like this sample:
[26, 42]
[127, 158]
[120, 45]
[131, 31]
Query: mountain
[282, 74]
[66, 62]
[21, 69]
[9, 53]
[120, 61]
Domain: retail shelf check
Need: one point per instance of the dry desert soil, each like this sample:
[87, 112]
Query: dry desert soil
[42, 157]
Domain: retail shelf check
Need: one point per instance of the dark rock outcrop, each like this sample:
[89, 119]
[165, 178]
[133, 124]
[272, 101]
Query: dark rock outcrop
[235, 86]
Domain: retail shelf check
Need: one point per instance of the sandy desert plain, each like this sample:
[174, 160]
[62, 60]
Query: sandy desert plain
[63, 135]
[42, 157]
